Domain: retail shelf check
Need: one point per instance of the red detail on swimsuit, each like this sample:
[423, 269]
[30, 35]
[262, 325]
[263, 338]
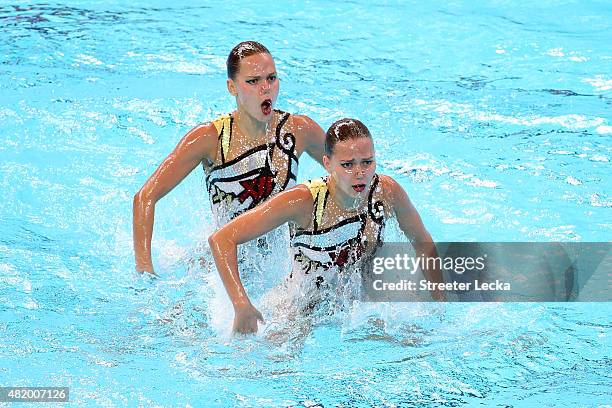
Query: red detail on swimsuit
[258, 188]
[343, 256]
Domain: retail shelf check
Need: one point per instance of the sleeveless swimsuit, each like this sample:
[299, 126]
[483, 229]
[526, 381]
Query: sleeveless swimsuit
[240, 180]
[241, 183]
[330, 246]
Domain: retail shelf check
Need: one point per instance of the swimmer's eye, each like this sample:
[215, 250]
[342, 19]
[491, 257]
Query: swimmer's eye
[367, 162]
[272, 78]
[252, 81]
[347, 165]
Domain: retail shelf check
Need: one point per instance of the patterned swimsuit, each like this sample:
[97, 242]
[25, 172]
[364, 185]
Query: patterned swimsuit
[332, 244]
[241, 183]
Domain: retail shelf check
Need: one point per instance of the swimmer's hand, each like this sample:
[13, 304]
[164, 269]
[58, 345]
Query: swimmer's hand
[149, 269]
[245, 319]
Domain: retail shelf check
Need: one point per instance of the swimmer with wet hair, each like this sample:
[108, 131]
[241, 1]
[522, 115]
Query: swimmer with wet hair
[248, 155]
[335, 222]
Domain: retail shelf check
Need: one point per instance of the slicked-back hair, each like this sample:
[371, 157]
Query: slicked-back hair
[241, 51]
[344, 129]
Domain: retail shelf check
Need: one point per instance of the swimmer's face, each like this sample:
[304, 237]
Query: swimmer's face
[256, 86]
[352, 166]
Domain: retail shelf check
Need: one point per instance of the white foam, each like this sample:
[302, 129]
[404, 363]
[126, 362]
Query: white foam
[578, 59]
[106, 363]
[125, 172]
[555, 52]
[5, 268]
[457, 220]
[604, 130]
[170, 253]
[599, 158]
[419, 171]
[599, 83]
[174, 63]
[88, 60]
[573, 181]
[559, 233]
[467, 111]
[571, 55]
[189, 68]
[31, 304]
[87, 181]
[6, 112]
[221, 308]
[570, 121]
[597, 201]
[141, 134]
[418, 163]
[475, 181]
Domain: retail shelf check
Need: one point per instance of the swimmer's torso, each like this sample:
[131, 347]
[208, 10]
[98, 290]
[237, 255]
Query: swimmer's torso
[337, 239]
[246, 170]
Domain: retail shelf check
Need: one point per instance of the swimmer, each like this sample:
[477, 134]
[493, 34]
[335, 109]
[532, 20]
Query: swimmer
[248, 155]
[335, 221]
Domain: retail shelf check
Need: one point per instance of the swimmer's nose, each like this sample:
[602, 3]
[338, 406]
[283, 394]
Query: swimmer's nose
[265, 87]
[361, 170]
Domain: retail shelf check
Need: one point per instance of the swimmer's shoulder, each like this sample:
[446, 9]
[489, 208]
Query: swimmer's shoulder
[391, 189]
[309, 136]
[301, 200]
[304, 121]
[300, 194]
[306, 126]
[387, 182]
[202, 140]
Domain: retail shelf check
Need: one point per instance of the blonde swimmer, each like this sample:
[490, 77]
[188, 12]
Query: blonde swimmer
[335, 222]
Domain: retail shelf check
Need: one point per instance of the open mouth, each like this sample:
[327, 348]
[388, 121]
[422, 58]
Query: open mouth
[266, 107]
[359, 187]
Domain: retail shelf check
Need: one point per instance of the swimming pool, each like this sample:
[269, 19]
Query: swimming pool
[495, 118]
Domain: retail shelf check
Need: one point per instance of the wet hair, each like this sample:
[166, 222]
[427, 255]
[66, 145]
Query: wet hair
[241, 51]
[344, 129]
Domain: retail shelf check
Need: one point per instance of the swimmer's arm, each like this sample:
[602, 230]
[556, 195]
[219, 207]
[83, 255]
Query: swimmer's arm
[313, 135]
[294, 205]
[198, 144]
[412, 226]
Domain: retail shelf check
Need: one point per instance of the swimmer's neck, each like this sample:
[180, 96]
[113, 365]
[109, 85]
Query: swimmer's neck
[248, 125]
[343, 200]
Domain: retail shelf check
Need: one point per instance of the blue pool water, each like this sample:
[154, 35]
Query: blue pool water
[494, 117]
